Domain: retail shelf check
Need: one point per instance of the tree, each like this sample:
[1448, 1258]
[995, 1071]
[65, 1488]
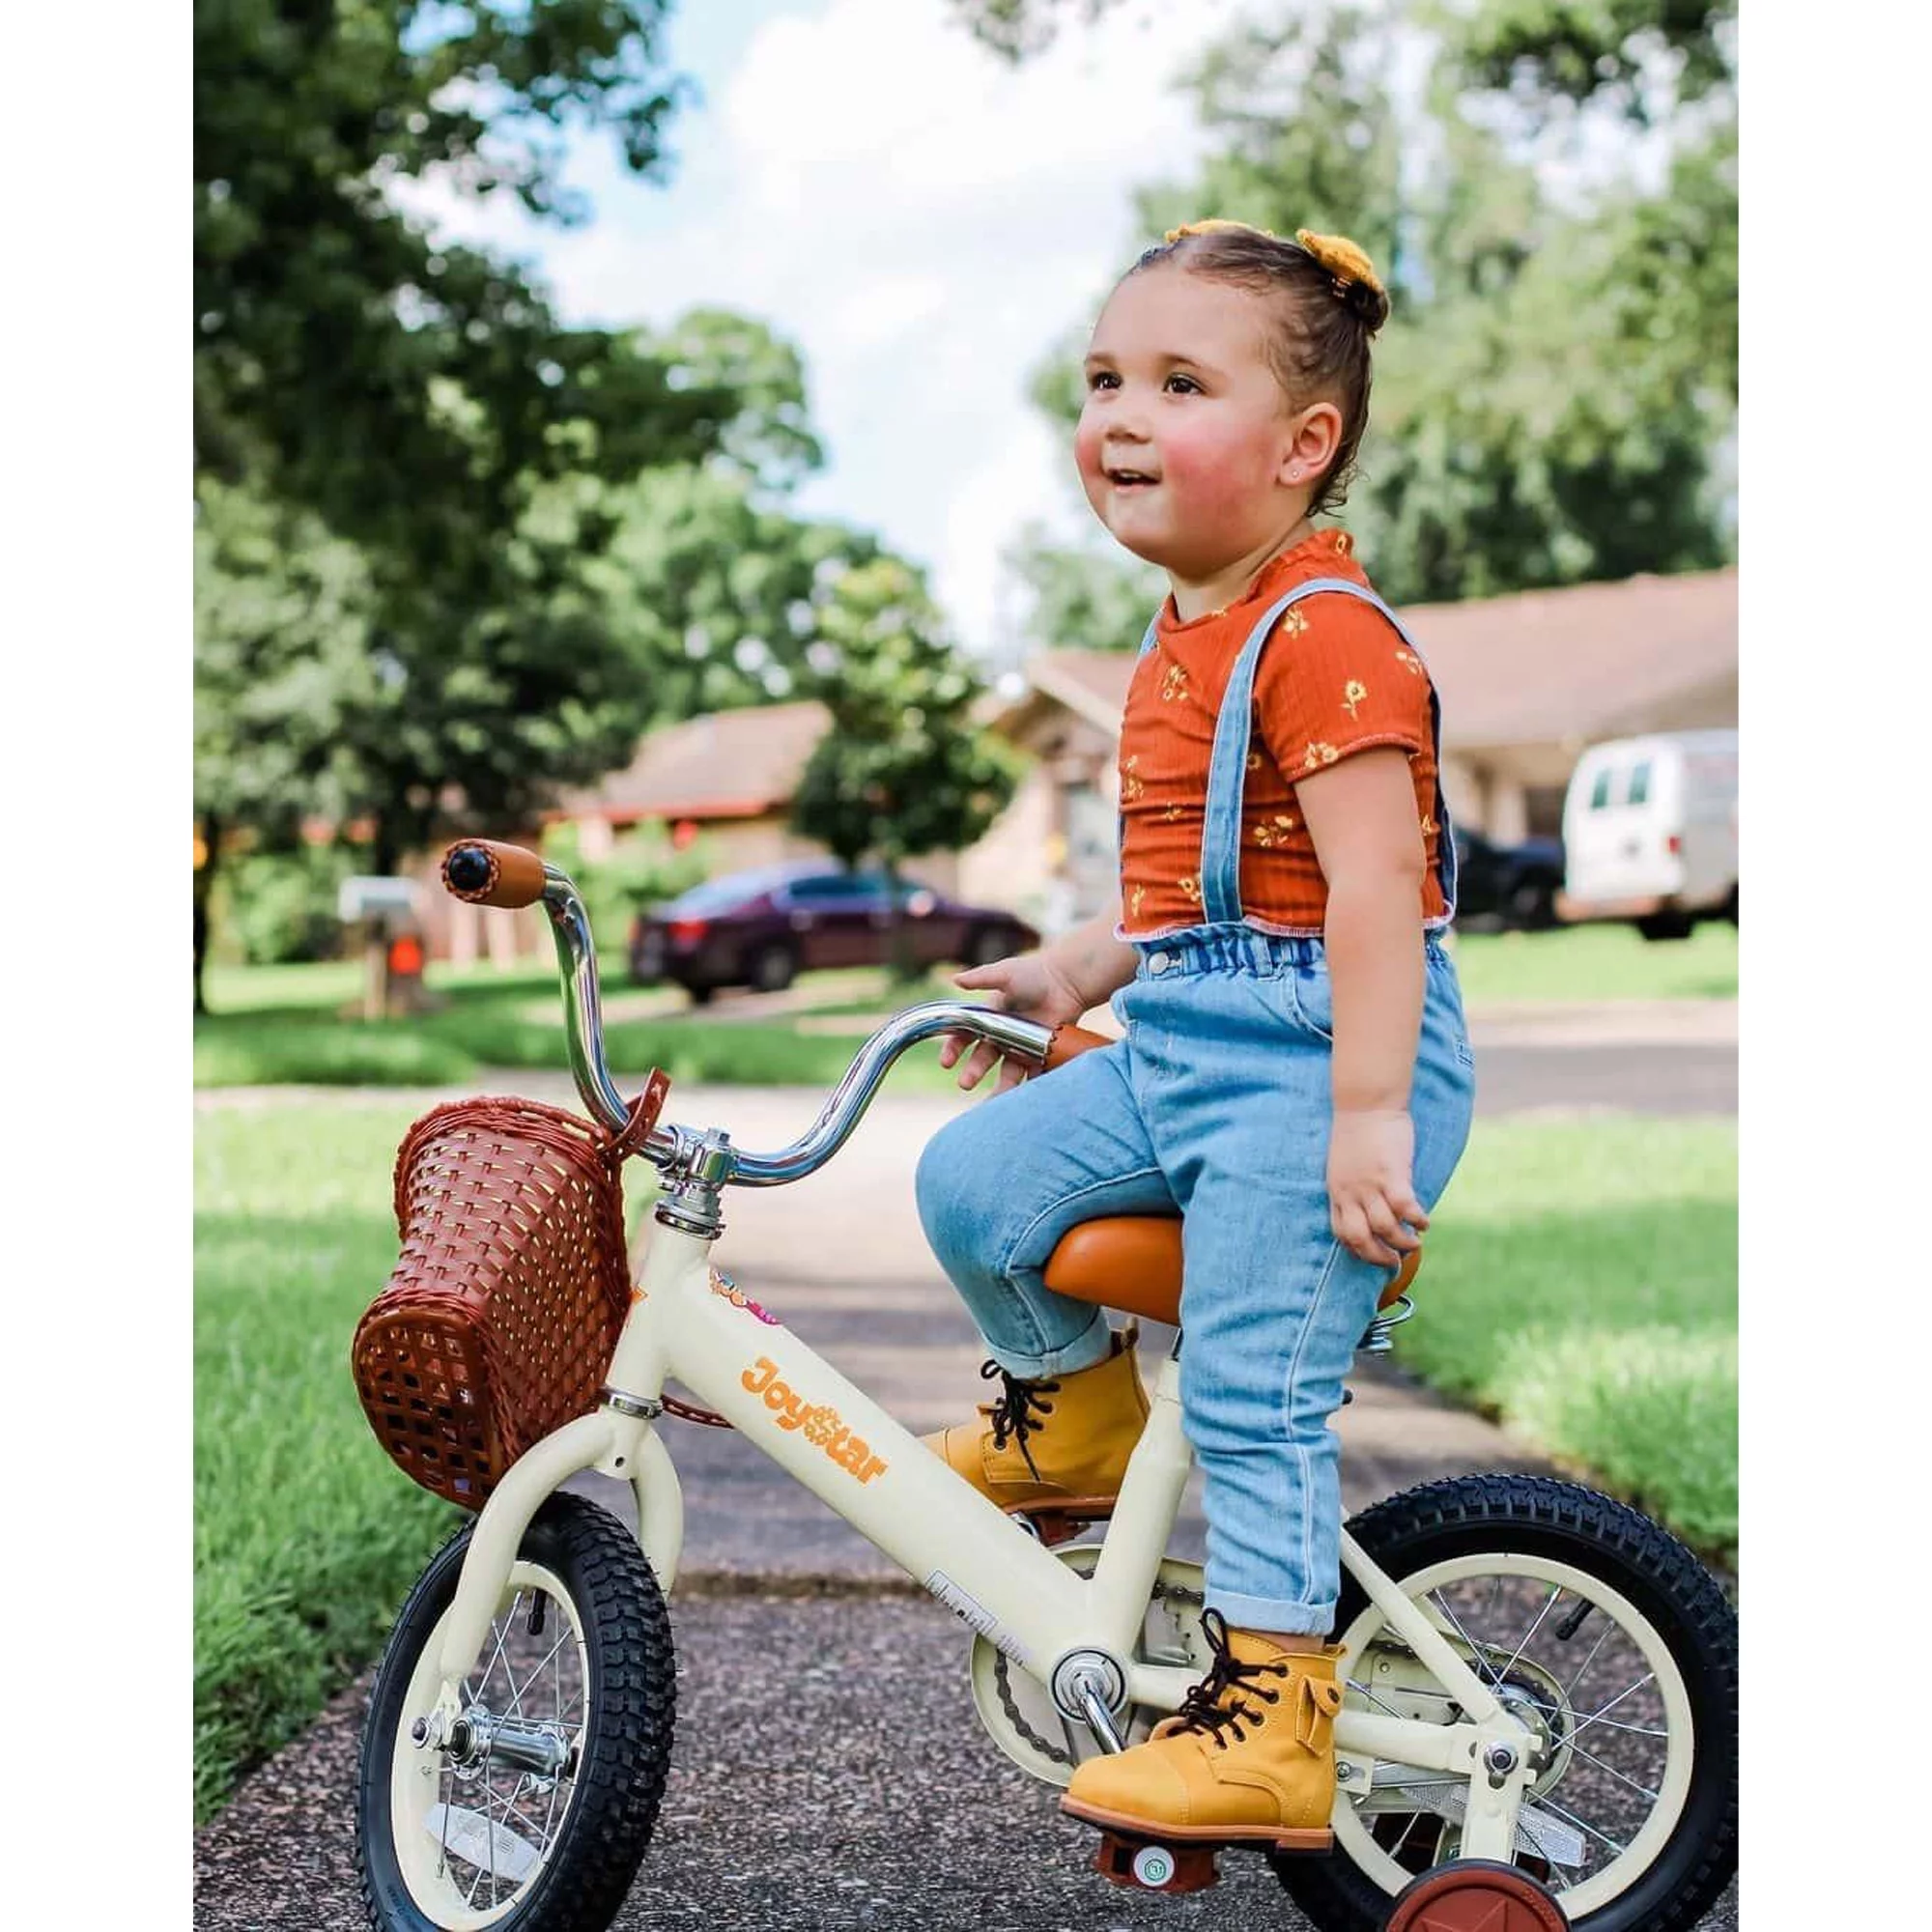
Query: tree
[409, 392]
[901, 771]
[281, 627]
[1558, 372]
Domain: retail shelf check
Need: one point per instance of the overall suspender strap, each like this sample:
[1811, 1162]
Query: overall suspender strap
[1227, 770]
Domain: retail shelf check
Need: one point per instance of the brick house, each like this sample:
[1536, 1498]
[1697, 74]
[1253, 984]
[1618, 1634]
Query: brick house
[1527, 681]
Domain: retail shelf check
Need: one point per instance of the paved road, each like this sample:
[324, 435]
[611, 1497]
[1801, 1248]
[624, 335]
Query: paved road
[830, 1769]
[830, 1772]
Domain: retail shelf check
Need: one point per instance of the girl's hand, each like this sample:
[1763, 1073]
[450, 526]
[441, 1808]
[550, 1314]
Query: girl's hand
[1370, 1184]
[1030, 985]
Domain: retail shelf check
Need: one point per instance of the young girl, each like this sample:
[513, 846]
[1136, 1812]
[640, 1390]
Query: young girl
[1295, 1074]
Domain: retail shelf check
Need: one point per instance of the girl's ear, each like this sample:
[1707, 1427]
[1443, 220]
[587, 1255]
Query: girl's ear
[1315, 435]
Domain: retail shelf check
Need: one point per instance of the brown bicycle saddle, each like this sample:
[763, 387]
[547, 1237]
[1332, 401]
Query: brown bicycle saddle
[1132, 1262]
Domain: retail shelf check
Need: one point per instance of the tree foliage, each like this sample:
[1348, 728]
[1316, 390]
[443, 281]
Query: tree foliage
[451, 553]
[902, 770]
[1559, 372]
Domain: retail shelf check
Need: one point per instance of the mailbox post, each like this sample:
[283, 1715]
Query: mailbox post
[386, 909]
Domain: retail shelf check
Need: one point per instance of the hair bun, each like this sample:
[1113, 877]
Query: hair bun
[1356, 283]
[1368, 302]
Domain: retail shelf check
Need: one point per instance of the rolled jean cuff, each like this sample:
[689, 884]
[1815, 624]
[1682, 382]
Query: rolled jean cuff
[1087, 1349]
[1275, 1613]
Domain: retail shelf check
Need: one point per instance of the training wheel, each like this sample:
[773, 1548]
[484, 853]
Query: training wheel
[1133, 1862]
[1476, 1895]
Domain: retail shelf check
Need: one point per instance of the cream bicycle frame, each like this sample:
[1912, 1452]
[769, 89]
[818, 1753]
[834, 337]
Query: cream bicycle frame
[832, 1437]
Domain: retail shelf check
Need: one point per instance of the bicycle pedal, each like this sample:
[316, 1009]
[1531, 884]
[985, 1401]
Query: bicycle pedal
[1145, 1867]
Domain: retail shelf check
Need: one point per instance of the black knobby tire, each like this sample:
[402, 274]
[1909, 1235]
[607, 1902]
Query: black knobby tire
[630, 1705]
[1540, 1516]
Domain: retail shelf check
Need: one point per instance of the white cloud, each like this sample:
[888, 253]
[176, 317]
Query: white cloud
[924, 222]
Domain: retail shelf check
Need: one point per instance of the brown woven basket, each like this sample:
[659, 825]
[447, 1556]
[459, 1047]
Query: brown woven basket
[499, 1320]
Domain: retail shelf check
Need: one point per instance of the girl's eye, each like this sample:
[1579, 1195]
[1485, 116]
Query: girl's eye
[1103, 379]
[1183, 386]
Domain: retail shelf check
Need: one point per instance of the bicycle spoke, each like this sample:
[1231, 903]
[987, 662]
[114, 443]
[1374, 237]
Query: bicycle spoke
[1476, 1657]
[1596, 1717]
[516, 1694]
[1516, 1655]
[1610, 1770]
[1602, 1640]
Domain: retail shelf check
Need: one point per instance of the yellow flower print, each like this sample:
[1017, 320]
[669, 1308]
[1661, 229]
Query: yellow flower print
[1352, 693]
[1274, 830]
[1292, 622]
[1175, 684]
[1132, 785]
[1134, 899]
[1319, 754]
[1410, 662]
[1344, 543]
[1429, 825]
[1254, 761]
[1190, 889]
[1171, 814]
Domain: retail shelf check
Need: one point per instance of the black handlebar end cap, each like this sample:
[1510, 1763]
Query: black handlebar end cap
[469, 869]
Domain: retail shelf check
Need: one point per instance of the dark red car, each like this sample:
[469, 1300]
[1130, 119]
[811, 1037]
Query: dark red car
[759, 928]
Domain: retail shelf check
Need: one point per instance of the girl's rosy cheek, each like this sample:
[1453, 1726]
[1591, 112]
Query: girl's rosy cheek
[1087, 441]
[1200, 466]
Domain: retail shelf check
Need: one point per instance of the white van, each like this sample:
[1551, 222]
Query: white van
[1650, 832]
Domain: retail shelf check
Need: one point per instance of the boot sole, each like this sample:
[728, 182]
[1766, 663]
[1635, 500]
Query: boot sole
[1283, 1837]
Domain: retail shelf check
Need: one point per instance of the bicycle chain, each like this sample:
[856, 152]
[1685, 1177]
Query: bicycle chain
[1003, 1680]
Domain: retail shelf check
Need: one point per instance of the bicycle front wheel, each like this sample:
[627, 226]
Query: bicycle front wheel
[535, 1813]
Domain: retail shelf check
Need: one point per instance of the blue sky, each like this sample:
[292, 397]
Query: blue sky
[921, 220]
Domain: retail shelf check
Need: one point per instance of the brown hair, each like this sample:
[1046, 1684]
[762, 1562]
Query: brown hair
[1335, 305]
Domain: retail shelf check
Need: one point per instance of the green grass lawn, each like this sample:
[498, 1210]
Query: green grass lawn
[1582, 1283]
[1597, 962]
[285, 1024]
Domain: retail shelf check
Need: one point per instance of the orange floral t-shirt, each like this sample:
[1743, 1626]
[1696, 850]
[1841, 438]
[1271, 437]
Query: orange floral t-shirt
[1335, 678]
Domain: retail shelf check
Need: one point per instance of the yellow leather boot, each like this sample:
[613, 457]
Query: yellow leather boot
[1248, 1758]
[1063, 1439]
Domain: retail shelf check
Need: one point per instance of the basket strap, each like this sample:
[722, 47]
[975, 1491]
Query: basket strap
[645, 1110]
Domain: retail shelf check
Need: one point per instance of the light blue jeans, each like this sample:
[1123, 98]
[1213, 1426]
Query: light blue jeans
[1216, 1103]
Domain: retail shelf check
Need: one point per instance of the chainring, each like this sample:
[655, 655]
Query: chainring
[1018, 1711]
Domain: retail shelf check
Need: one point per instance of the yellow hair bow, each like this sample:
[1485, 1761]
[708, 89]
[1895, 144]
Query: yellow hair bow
[1342, 258]
[1214, 223]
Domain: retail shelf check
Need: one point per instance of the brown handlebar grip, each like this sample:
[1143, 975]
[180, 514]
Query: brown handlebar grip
[1067, 1041]
[482, 873]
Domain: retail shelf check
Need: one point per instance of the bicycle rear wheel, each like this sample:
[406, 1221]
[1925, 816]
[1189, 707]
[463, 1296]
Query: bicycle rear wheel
[1616, 1648]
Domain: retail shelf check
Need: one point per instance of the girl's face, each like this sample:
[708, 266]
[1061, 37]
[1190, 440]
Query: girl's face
[1186, 446]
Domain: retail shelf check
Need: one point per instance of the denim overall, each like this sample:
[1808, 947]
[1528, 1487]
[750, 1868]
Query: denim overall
[1216, 1104]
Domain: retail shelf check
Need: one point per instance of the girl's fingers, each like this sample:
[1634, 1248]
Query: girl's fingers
[1382, 1221]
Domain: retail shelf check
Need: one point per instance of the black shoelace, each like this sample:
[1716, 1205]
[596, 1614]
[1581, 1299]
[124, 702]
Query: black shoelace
[1202, 1709]
[1010, 1414]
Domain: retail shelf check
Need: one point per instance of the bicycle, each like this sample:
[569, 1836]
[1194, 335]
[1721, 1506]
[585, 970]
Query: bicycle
[1540, 1726]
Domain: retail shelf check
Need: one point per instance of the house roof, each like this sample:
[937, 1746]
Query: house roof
[726, 764]
[1589, 660]
[1539, 666]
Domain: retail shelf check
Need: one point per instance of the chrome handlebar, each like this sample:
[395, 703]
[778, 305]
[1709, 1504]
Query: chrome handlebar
[666, 1147]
